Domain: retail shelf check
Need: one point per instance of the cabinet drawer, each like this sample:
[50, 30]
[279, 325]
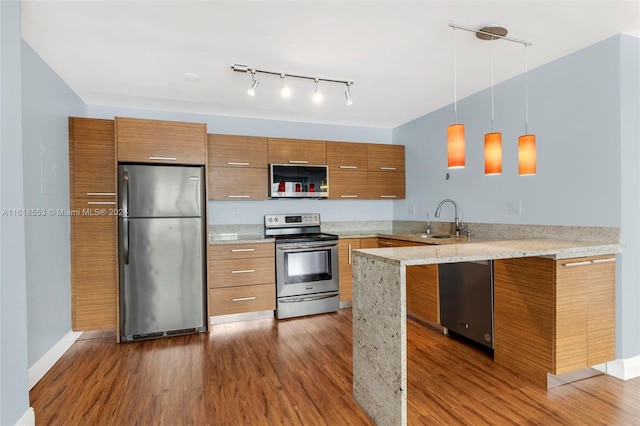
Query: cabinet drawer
[240, 272]
[237, 151]
[237, 300]
[158, 141]
[241, 251]
[238, 184]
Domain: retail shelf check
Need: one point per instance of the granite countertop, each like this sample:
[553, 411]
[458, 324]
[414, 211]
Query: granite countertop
[232, 238]
[485, 249]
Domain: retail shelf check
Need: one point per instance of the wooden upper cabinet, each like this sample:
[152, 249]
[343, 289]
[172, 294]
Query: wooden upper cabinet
[297, 151]
[238, 183]
[347, 156]
[347, 163]
[237, 151]
[385, 158]
[92, 158]
[158, 141]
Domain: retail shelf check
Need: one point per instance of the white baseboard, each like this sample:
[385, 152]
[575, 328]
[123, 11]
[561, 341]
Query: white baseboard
[624, 369]
[41, 366]
[28, 418]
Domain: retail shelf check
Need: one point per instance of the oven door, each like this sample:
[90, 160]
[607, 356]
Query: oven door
[306, 268]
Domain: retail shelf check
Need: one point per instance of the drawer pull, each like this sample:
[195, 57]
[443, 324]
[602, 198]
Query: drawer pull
[572, 264]
[163, 158]
[298, 162]
[388, 168]
[101, 194]
[607, 260]
[243, 271]
[237, 164]
[242, 299]
[388, 196]
[348, 167]
[348, 196]
[238, 196]
[241, 250]
[111, 203]
[349, 254]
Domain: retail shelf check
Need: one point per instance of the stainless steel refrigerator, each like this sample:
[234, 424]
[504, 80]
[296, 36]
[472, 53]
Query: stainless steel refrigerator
[162, 257]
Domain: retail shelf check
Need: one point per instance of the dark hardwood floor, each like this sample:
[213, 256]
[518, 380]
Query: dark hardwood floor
[298, 372]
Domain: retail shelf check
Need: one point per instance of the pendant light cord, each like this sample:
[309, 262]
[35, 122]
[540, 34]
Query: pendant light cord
[492, 111]
[455, 77]
[526, 92]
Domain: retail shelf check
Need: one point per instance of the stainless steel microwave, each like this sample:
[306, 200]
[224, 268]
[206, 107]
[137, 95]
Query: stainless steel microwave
[298, 181]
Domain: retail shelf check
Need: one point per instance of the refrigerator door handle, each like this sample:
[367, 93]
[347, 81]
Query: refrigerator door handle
[125, 214]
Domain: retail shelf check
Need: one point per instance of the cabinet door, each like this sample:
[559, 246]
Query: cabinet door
[92, 168]
[238, 183]
[158, 141]
[348, 185]
[601, 321]
[386, 185]
[366, 243]
[347, 163]
[345, 268]
[237, 151]
[385, 158]
[423, 295]
[297, 151]
[347, 156]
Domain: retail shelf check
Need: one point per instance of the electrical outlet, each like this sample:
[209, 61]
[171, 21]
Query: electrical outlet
[412, 210]
[514, 207]
[234, 212]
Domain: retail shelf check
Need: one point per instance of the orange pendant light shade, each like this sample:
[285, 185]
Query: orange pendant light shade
[527, 155]
[493, 153]
[455, 146]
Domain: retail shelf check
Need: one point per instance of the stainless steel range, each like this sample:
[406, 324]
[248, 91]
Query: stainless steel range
[306, 265]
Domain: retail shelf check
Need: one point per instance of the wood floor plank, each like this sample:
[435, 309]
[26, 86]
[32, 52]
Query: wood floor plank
[299, 372]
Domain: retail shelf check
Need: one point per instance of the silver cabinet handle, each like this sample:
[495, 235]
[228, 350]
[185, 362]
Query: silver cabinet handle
[573, 264]
[607, 260]
[101, 194]
[388, 196]
[163, 158]
[243, 271]
[298, 161]
[238, 196]
[101, 202]
[349, 254]
[241, 250]
[242, 299]
[348, 167]
[348, 196]
[231, 163]
[388, 168]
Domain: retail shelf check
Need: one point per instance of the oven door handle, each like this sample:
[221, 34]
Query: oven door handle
[309, 299]
[297, 248]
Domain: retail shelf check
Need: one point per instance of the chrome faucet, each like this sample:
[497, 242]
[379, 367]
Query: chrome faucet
[427, 229]
[459, 225]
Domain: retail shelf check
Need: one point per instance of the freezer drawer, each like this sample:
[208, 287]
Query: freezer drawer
[162, 276]
[466, 299]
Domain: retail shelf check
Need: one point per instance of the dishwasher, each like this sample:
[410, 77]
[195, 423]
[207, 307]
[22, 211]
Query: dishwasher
[466, 300]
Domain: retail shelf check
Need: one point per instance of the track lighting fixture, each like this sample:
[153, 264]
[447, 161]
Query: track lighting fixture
[284, 90]
[254, 84]
[347, 94]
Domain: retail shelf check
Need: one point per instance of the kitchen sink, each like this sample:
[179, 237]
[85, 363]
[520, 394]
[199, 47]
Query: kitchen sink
[435, 236]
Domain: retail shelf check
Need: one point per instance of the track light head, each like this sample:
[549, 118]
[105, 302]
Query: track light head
[285, 92]
[317, 95]
[254, 84]
[347, 94]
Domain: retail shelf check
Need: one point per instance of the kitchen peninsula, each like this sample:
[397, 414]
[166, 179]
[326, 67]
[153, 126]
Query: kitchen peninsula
[537, 275]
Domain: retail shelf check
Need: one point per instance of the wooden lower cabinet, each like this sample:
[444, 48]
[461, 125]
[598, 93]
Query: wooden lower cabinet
[345, 266]
[423, 293]
[241, 278]
[561, 311]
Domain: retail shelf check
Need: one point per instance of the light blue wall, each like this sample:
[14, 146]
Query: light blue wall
[584, 111]
[252, 212]
[14, 392]
[628, 293]
[47, 102]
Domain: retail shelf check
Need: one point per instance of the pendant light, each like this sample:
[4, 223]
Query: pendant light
[455, 132]
[526, 142]
[493, 140]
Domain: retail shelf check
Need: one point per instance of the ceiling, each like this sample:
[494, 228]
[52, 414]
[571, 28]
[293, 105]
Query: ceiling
[399, 54]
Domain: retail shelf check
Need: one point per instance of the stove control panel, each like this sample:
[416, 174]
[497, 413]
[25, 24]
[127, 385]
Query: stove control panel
[291, 220]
